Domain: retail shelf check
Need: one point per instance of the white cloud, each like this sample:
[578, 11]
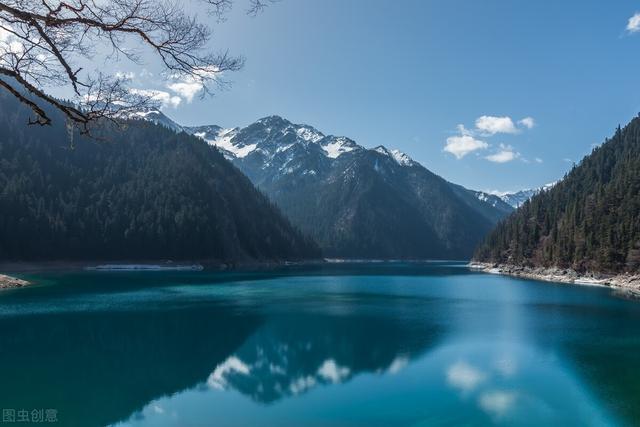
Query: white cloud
[165, 98]
[4, 35]
[633, 26]
[497, 403]
[491, 125]
[487, 126]
[188, 90]
[505, 155]
[527, 122]
[538, 160]
[189, 86]
[463, 144]
[125, 75]
[9, 45]
[464, 376]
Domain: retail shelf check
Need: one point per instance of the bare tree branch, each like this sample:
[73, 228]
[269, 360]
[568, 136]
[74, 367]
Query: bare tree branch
[42, 40]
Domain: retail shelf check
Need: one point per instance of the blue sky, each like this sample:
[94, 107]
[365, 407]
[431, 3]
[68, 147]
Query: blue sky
[407, 74]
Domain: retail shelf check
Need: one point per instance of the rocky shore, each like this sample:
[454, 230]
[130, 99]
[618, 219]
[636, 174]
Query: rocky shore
[8, 282]
[627, 284]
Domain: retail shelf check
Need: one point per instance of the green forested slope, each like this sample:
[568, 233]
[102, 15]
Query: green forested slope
[143, 193]
[589, 221]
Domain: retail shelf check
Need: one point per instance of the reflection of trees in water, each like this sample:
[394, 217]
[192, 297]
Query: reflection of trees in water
[293, 354]
[98, 368]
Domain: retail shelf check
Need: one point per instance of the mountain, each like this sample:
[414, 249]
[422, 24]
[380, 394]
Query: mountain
[157, 117]
[142, 192]
[488, 205]
[357, 202]
[589, 221]
[517, 199]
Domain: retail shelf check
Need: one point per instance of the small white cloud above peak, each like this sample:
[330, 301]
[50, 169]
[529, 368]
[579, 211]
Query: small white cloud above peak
[463, 130]
[188, 86]
[633, 26]
[505, 155]
[487, 126]
[164, 98]
[491, 125]
[463, 144]
[527, 122]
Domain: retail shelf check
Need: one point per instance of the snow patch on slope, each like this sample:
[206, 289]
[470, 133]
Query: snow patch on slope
[401, 158]
[224, 141]
[337, 147]
[517, 198]
[309, 134]
[398, 156]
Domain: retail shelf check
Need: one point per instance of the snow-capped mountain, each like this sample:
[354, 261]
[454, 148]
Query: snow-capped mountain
[155, 116]
[355, 201]
[516, 199]
[273, 135]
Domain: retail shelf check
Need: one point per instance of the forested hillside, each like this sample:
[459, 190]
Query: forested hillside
[588, 221]
[144, 192]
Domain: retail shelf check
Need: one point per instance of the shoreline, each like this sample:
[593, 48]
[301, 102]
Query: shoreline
[111, 266]
[26, 267]
[9, 282]
[627, 284]
[117, 265]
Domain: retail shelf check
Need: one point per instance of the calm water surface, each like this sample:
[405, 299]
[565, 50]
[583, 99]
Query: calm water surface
[426, 344]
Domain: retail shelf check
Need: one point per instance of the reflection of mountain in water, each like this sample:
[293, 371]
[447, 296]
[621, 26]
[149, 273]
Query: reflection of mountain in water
[291, 355]
[119, 361]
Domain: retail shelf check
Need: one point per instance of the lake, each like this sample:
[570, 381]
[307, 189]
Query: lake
[376, 344]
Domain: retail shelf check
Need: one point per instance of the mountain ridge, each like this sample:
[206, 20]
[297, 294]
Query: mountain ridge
[357, 202]
[517, 198]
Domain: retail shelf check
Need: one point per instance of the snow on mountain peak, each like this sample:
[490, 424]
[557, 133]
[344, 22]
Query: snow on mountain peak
[517, 198]
[223, 140]
[144, 113]
[337, 146]
[400, 158]
[154, 115]
[309, 134]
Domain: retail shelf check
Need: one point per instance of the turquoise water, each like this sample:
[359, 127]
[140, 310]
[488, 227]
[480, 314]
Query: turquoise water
[425, 344]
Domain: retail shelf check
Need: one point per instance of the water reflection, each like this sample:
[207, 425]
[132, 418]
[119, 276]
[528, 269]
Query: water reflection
[98, 368]
[438, 348]
[289, 356]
